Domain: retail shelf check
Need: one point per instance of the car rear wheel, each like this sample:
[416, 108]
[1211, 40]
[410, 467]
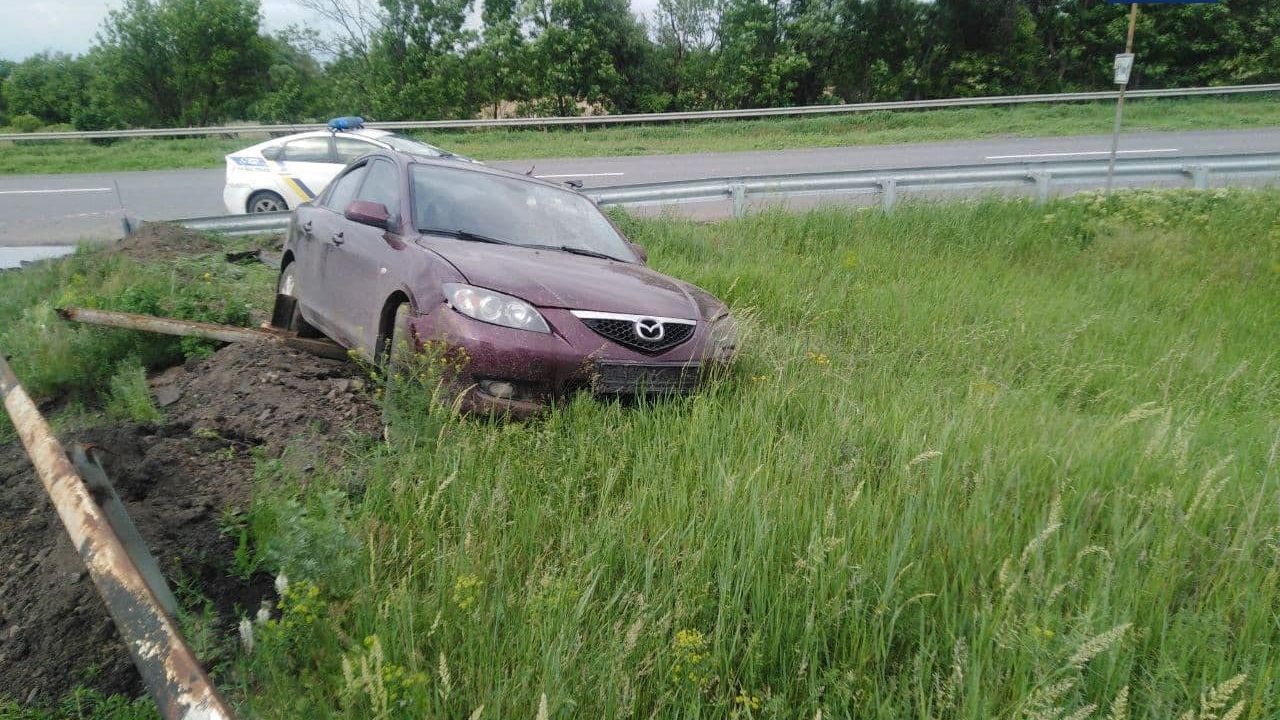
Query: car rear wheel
[266, 201]
[286, 314]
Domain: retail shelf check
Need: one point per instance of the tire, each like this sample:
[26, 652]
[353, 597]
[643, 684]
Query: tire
[397, 340]
[265, 201]
[394, 351]
[287, 315]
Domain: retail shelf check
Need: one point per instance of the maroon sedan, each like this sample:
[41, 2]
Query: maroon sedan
[536, 286]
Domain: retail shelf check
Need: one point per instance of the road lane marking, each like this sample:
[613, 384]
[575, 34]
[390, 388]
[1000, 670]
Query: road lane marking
[1077, 154]
[580, 175]
[55, 190]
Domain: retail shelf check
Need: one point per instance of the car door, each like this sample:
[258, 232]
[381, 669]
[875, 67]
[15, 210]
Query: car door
[307, 165]
[367, 253]
[320, 264]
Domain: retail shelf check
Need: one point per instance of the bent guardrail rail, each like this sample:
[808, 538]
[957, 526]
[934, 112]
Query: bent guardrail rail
[886, 183]
[659, 117]
[181, 688]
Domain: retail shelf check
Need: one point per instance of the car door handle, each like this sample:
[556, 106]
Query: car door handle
[337, 238]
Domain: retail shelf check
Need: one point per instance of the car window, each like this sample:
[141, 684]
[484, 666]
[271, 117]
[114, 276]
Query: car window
[350, 148]
[510, 209]
[382, 185]
[343, 190]
[406, 144]
[311, 149]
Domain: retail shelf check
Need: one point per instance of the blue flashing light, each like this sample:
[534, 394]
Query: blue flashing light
[350, 122]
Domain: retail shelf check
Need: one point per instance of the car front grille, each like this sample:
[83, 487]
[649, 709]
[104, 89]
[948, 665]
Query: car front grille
[626, 331]
[645, 379]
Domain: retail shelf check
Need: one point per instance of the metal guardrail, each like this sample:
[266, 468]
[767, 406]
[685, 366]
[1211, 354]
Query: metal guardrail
[887, 184]
[170, 670]
[1043, 177]
[656, 117]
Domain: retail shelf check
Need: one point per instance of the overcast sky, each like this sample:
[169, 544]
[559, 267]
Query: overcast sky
[70, 25]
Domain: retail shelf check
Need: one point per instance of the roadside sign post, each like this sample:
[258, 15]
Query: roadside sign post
[1124, 64]
[1124, 68]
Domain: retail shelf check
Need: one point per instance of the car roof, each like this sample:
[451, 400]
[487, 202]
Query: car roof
[405, 158]
[366, 133]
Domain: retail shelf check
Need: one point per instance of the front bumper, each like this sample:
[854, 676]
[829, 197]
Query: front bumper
[546, 366]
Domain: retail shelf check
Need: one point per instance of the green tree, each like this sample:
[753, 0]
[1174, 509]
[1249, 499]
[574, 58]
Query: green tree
[588, 51]
[685, 32]
[296, 88]
[499, 61]
[184, 61]
[416, 60]
[759, 63]
[50, 86]
[6, 67]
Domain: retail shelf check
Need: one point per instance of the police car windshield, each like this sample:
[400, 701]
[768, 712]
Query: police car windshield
[406, 144]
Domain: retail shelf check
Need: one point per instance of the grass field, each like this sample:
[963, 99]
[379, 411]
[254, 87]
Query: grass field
[982, 460]
[772, 134]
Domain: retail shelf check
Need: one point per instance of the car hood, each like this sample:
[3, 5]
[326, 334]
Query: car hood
[556, 279]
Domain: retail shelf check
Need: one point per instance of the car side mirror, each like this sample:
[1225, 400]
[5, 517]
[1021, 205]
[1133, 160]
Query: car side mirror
[366, 212]
[271, 153]
[640, 252]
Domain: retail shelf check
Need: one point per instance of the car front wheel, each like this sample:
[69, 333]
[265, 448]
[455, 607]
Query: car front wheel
[266, 201]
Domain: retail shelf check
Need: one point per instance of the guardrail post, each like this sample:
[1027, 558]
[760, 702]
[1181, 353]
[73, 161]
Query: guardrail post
[1199, 176]
[888, 193]
[1043, 182]
[181, 688]
[738, 192]
[95, 477]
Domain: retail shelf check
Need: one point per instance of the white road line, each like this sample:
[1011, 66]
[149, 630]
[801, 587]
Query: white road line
[1076, 154]
[580, 175]
[55, 190]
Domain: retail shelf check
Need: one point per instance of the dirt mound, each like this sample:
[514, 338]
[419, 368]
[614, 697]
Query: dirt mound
[162, 241]
[176, 479]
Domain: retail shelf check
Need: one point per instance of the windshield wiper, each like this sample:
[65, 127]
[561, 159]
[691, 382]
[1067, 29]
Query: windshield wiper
[466, 235]
[577, 251]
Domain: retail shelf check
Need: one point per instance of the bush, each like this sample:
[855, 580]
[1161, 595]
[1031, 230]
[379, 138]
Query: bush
[26, 123]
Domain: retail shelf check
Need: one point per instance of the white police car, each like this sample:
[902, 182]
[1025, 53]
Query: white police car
[285, 172]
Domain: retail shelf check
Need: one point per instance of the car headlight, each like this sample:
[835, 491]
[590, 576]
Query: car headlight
[724, 338]
[494, 307]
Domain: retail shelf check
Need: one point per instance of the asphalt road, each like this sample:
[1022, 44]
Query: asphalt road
[55, 209]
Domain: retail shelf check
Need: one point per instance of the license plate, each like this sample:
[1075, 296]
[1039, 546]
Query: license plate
[637, 378]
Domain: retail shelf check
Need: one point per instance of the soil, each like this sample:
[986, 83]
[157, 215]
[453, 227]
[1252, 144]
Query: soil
[177, 478]
[162, 241]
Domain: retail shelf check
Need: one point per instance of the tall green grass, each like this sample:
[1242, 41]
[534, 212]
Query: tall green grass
[976, 460]
[874, 128]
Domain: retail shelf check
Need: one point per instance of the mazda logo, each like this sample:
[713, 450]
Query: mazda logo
[649, 329]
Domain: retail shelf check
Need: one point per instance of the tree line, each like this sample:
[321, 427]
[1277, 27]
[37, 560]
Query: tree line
[197, 62]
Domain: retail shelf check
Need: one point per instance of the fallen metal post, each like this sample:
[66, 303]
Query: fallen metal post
[204, 330]
[95, 478]
[169, 668]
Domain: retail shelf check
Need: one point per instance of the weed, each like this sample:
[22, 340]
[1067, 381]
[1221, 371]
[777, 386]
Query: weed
[129, 396]
[983, 476]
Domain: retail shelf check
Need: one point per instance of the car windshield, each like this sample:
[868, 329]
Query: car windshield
[406, 144]
[489, 207]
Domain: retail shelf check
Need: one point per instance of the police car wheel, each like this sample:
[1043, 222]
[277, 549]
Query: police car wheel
[266, 201]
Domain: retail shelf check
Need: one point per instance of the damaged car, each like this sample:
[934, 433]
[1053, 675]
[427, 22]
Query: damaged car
[537, 288]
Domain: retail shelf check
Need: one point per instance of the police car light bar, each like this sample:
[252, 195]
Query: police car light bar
[350, 122]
